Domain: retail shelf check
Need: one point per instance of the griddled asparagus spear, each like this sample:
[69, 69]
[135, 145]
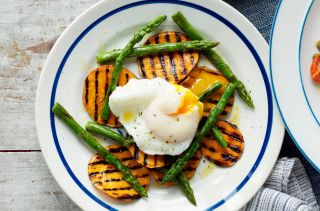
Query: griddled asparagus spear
[206, 93]
[184, 184]
[218, 136]
[105, 56]
[58, 110]
[214, 57]
[107, 132]
[137, 37]
[212, 118]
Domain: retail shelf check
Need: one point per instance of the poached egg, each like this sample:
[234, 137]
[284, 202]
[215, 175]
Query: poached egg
[161, 117]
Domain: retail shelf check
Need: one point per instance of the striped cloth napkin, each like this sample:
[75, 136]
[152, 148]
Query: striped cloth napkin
[287, 189]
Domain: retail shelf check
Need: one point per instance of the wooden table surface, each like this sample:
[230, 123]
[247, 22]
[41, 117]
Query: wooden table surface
[28, 29]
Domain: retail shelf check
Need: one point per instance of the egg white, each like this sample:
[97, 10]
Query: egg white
[144, 108]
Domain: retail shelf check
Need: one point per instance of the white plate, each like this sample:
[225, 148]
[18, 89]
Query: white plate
[113, 22]
[295, 31]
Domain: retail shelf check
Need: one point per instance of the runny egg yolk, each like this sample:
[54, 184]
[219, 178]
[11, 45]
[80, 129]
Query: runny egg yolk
[188, 101]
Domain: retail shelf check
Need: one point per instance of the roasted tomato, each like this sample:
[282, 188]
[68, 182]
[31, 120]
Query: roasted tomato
[315, 68]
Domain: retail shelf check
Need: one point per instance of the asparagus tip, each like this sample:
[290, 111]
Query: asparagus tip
[193, 201]
[164, 180]
[144, 194]
[251, 105]
[162, 17]
[55, 107]
[88, 125]
[60, 111]
[177, 13]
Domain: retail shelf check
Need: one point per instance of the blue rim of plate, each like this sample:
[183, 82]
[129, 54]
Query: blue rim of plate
[274, 89]
[194, 6]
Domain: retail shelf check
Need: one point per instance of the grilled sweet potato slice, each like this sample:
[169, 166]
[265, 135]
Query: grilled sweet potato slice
[202, 78]
[150, 161]
[94, 91]
[174, 66]
[228, 156]
[189, 170]
[109, 180]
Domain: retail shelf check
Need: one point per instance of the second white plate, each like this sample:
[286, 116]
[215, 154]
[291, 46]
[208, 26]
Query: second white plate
[295, 31]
